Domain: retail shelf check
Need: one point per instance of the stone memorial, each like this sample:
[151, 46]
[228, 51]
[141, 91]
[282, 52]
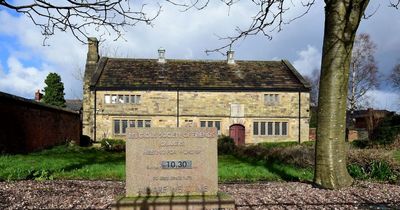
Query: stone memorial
[172, 168]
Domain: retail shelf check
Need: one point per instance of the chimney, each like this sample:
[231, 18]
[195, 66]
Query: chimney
[161, 55]
[230, 59]
[38, 96]
[93, 51]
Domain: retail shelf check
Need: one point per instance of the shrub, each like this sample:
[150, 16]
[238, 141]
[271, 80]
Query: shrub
[85, 141]
[113, 145]
[226, 145]
[375, 164]
[361, 144]
[300, 155]
[387, 132]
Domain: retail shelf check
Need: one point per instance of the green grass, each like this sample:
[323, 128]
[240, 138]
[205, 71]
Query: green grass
[396, 155]
[64, 162]
[231, 168]
[72, 162]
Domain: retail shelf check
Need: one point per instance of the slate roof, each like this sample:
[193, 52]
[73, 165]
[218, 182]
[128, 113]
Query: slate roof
[73, 104]
[148, 74]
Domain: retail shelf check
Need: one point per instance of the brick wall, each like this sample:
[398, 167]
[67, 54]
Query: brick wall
[27, 126]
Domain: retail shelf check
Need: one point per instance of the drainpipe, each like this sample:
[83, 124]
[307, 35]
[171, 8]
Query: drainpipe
[94, 116]
[177, 108]
[299, 117]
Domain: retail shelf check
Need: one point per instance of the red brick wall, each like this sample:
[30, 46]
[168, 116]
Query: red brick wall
[352, 135]
[27, 126]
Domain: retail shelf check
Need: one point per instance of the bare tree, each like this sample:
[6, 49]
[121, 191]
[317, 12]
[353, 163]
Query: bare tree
[77, 16]
[363, 72]
[395, 76]
[314, 82]
[342, 18]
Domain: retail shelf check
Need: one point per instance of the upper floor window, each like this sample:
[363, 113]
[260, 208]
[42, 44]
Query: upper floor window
[210, 124]
[262, 128]
[271, 99]
[121, 99]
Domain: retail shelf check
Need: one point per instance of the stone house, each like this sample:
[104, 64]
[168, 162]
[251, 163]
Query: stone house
[251, 101]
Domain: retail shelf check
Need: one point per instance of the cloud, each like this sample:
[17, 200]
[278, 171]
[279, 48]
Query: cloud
[382, 99]
[308, 60]
[21, 80]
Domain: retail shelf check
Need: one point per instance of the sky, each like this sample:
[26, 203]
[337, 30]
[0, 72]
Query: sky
[25, 62]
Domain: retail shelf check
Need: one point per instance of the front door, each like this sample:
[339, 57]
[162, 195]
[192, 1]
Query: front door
[236, 132]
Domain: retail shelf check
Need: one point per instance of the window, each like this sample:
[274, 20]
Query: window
[113, 99]
[120, 126]
[284, 128]
[263, 128]
[270, 124]
[135, 99]
[124, 125]
[210, 124]
[140, 123]
[147, 123]
[116, 127]
[107, 99]
[121, 99]
[255, 128]
[126, 99]
[271, 99]
[277, 128]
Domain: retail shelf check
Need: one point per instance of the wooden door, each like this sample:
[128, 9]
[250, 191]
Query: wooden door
[237, 133]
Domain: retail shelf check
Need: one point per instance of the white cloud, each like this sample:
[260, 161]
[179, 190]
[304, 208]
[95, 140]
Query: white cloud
[21, 80]
[384, 100]
[308, 60]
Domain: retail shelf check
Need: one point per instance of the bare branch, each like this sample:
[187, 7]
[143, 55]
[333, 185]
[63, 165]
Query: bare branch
[394, 4]
[269, 18]
[78, 16]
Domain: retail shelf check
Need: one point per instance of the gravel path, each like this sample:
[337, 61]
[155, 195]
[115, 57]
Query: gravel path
[269, 195]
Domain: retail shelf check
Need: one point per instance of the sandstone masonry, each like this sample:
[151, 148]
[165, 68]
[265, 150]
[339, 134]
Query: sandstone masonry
[251, 101]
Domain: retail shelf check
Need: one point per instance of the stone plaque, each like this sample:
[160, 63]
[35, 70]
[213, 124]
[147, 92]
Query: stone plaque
[171, 161]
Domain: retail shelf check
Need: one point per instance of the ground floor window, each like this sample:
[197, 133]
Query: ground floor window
[210, 124]
[120, 125]
[267, 128]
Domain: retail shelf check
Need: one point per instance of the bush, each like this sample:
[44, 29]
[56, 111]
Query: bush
[375, 164]
[387, 132]
[300, 155]
[85, 141]
[226, 145]
[361, 144]
[113, 145]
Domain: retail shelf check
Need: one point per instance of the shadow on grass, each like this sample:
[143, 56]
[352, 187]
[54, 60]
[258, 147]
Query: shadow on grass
[280, 169]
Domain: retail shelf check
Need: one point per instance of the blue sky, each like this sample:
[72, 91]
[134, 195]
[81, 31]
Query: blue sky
[24, 62]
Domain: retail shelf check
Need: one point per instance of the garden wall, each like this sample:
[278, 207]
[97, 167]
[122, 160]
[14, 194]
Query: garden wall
[26, 125]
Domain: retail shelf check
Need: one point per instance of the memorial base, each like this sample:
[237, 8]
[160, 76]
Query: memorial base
[207, 202]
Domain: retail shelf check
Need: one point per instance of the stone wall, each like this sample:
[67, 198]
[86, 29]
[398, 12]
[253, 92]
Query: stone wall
[27, 126]
[161, 108]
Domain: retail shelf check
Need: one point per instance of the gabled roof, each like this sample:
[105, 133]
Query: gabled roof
[148, 74]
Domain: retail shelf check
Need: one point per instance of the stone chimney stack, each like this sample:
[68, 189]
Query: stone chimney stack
[93, 51]
[230, 59]
[161, 55]
[38, 96]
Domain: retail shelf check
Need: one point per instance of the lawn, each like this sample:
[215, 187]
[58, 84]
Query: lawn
[72, 162]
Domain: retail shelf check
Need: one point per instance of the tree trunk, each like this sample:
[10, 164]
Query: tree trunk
[342, 18]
